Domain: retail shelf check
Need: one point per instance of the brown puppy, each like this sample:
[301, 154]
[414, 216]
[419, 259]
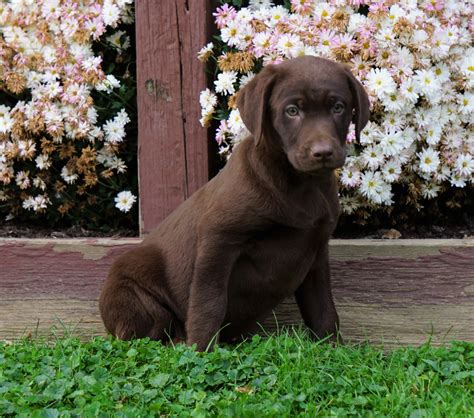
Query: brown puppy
[257, 232]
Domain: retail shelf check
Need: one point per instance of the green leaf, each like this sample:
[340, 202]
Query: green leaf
[159, 380]
[419, 413]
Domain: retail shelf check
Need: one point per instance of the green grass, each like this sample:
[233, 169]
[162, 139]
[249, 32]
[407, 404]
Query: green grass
[285, 375]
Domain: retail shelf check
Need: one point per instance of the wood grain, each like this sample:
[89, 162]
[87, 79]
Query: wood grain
[173, 157]
[400, 292]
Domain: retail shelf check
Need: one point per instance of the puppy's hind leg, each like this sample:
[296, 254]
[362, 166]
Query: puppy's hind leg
[128, 303]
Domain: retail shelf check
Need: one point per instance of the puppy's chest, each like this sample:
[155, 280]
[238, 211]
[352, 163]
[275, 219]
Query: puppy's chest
[277, 260]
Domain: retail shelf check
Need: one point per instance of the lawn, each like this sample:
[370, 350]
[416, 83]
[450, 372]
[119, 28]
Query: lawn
[277, 376]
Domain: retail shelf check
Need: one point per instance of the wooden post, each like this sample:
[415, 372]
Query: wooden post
[173, 147]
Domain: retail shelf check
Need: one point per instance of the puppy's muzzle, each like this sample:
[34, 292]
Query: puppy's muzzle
[322, 153]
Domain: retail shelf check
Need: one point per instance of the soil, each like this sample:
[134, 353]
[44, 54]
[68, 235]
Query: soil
[410, 231]
[464, 229]
[8, 230]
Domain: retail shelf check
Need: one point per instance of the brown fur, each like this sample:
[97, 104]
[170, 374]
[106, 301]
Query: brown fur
[256, 233]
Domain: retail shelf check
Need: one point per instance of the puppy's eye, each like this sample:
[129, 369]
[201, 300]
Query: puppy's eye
[292, 111]
[338, 108]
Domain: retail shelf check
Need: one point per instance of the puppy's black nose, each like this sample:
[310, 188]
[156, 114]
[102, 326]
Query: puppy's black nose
[322, 152]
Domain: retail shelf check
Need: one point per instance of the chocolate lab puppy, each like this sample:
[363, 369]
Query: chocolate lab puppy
[257, 232]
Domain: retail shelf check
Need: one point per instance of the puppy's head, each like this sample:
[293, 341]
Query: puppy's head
[304, 106]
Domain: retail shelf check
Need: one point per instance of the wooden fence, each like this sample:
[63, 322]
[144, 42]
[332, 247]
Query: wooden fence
[173, 147]
[391, 292]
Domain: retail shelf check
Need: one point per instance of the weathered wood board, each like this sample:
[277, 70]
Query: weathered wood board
[173, 146]
[390, 292]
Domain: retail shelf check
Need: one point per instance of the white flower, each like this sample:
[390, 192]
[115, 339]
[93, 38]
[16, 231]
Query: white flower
[386, 194]
[372, 157]
[28, 203]
[114, 129]
[236, 125]
[457, 180]
[419, 38]
[124, 201]
[225, 82]
[117, 164]
[391, 171]
[49, 54]
[466, 66]
[67, 176]
[114, 132]
[391, 143]
[442, 73]
[108, 84]
[26, 148]
[395, 13]
[380, 82]
[120, 40]
[22, 180]
[426, 82]
[350, 177]
[40, 202]
[278, 14]
[442, 175]
[394, 102]
[43, 162]
[408, 91]
[51, 8]
[429, 160]
[429, 190]
[394, 122]
[289, 45]
[39, 183]
[245, 79]
[372, 186]
[207, 99]
[53, 89]
[205, 52]
[356, 21]
[349, 204]
[258, 4]
[385, 37]
[466, 103]
[370, 133]
[232, 33]
[122, 117]
[464, 165]
[6, 121]
[110, 13]
[323, 10]
[37, 204]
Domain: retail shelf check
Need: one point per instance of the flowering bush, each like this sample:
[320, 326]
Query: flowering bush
[415, 60]
[67, 94]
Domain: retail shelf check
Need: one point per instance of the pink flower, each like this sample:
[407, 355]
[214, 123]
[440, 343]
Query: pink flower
[357, 3]
[433, 5]
[302, 6]
[378, 7]
[223, 14]
[95, 26]
[351, 135]
[344, 41]
[221, 131]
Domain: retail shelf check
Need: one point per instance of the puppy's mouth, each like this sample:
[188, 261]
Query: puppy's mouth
[323, 170]
[319, 167]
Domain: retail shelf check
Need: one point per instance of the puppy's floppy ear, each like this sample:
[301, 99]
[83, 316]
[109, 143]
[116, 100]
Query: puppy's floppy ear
[253, 102]
[361, 103]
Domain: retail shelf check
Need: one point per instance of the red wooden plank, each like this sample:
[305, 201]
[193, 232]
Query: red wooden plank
[395, 292]
[173, 157]
[71, 268]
